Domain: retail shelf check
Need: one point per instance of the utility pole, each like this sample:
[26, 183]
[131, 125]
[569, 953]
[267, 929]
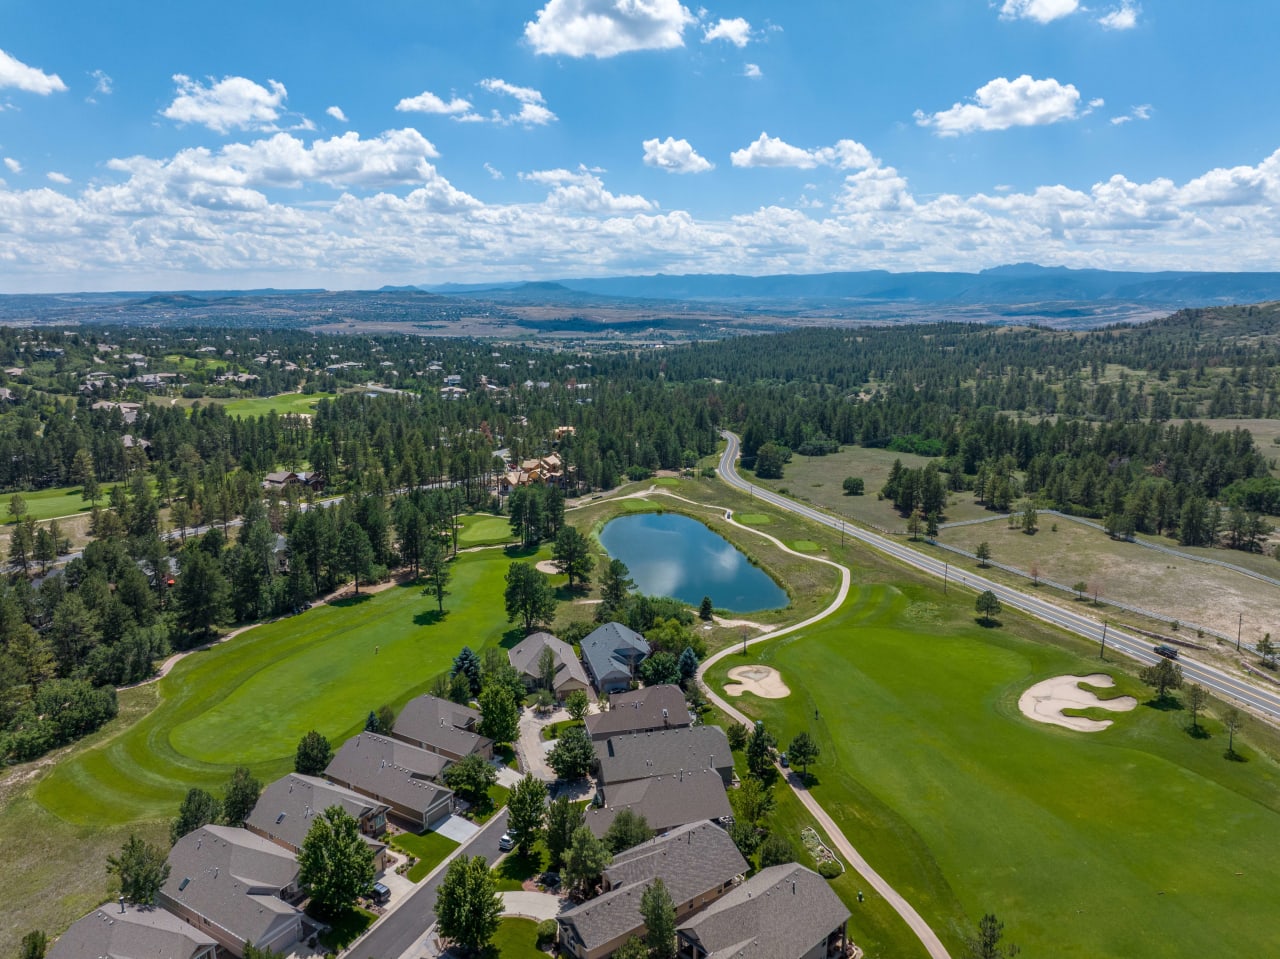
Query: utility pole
[1102, 653]
[1239, 628]
[842, 534]
[945, 569]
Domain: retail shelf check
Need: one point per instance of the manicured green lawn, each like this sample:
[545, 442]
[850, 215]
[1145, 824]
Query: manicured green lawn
[482, 812]
[515, 939]
[484, 530]
[249, 701]
[431, 849]
[346, 928]
[282, 403]
[1136, 841]
[510, 874]
[50, 503]
[753, 519]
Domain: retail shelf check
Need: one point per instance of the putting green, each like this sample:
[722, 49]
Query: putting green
[753, 519]
[1138, 840]
[484, 531]
[247, 702]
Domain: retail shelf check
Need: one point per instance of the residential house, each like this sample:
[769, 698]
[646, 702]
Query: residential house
[612, 652]
[541, 470]
[782, 912]
[440, 726]
[235, 887]
[279, 479]
[663, 753]
[394, 773]
[129, 411]
[287, 808]
[697, 863]
[641, 711]
[664, 801]
[132, 932]
[526, 657]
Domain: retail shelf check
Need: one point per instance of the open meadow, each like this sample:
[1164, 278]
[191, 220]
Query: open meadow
[1137, 841]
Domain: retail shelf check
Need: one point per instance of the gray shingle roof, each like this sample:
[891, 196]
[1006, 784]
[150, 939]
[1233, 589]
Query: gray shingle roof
[612, 652]
[664, 801]
[663, 752]
[394, 771]
[443, 725]
[779, 913]
[233, 878]
[140, 932]
[691, 861]
[287, 808]
[641, 709]
[525, 654]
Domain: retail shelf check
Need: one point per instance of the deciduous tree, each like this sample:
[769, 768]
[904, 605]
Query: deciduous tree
[141, 869]
[527, 809]
[198, 809]
[468, 906]
[243, 790]
[576, 704]
[586, 859]
[659, 914]
[499, 715]
[572, 754]
[803, 752]
[988, 604]
[313, 754]
[1164, 676]
[1197, 699]
[335, 863]
[629, 828]
[471, 777]
[563, 819]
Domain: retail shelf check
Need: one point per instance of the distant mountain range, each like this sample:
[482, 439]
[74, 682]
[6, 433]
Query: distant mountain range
[1022, 283]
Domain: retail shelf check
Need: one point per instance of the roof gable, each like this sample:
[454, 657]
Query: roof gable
[135, 932]
[287, 808]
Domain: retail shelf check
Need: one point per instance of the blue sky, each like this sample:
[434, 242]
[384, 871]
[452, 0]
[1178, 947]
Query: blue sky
[153, 146]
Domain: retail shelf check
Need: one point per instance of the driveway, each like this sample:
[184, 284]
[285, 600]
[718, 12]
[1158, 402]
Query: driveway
[457, 829]
[531, 749]
[532, 905]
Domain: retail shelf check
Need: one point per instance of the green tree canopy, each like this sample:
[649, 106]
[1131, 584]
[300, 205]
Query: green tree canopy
[468, 906]
[198, 809]
[471, 777]
[528, 596]
[313, 754]
[499, 715]
[629, 828]
[803, 752]
[586, 859]
[141, 869]
[241, 796]
[563, 819]
[572, 754]
[571, 554]
[527, 809]
[659, 920]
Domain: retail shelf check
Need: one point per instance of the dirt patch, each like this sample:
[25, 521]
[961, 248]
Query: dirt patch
[764, 681]
[1045, 701]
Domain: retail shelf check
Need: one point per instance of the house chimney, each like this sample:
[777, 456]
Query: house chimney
[793, 887]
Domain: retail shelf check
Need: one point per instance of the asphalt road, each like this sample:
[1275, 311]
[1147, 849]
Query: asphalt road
[398, 931]
[1262, 701]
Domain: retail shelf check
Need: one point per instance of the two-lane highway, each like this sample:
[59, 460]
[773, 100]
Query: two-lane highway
[1264, 702]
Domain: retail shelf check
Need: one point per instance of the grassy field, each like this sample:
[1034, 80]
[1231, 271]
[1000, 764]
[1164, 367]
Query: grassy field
[515, 939]
[482, 529]
[224, 707]
[1140, 840]
[819, 480]
[50, 503]
[262, 405]
[431, 849]
[1187, 591]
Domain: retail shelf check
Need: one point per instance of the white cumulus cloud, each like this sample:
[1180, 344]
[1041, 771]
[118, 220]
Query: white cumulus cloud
[1004, 103]
[752, 71]
[581, 191]
[675, 156]
[1123, 17]
[737, 31]
[767, 151]
[428, 102]
[232, 102]
[15, 73]
[1042, 11]
[55, 177]
[337, 114]
[13, 165]
[606, 28]
[102, 83]
[533, 106]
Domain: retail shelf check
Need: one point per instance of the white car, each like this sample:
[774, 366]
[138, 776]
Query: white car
[506, 843]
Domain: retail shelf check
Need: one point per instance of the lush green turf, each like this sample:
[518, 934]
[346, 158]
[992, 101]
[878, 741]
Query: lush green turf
[282, 403]
[510, 874]
[50, 503]
[495, 799]
[515, 939]
[346, 928]
[753, 519]
[484, 530]
[805, 546]
[1140, 840]
[250, 700]
[431, 849]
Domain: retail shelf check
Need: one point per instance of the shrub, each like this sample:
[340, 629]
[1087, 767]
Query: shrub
[546, 933]
[829, 869]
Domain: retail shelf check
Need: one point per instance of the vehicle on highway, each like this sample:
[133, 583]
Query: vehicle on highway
[1165, 650]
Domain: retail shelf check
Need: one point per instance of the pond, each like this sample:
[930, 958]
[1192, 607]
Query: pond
[673, 555]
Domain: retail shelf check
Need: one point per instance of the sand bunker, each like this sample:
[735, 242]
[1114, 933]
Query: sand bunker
[548, 566]
[1045, 701]
[765, 681]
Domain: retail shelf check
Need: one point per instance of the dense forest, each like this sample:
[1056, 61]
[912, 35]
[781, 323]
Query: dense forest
[409, 432]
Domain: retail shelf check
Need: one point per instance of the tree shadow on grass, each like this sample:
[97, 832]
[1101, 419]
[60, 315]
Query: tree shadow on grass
[1166, 704]
[516, 551]
[1235, 756]
[512, 637]
[987, 622]
[1199, 732]
[429, 617]
[351, 600]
